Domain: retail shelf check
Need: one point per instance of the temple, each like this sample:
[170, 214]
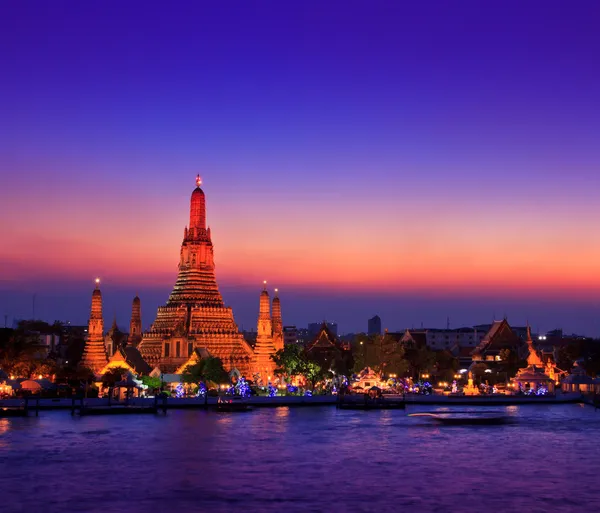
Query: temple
[264, 366]
[277, 323]
[94, 353]
[114, 339]
[534, 375]
[195, 316]
[498, 338]
[135, 325]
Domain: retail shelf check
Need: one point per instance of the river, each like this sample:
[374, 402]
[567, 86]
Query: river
[301, 459]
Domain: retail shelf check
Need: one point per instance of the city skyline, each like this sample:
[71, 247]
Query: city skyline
[383, 162]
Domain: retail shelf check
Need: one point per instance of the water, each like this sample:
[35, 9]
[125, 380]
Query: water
[303, 459]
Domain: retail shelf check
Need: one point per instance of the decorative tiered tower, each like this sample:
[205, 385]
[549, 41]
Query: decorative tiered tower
[277, 323]
[135, 326]
[94, 354]
[264, 349]
[195, 315]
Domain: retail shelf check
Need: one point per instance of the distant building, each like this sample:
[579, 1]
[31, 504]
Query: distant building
[451, 339]
[314, 328]
[302, 336]
[290, 335]
[374, 325]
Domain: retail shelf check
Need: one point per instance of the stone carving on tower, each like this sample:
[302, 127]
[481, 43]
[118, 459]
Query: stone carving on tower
[195, 316]
[94, 353]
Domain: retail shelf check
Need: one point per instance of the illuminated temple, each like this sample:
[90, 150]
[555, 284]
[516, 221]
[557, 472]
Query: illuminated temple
[195, 316]
[94, 353]
[269, 337]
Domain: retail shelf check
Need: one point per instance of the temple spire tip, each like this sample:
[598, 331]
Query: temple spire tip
[198, 181]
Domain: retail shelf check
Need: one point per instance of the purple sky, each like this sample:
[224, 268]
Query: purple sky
[413, 159]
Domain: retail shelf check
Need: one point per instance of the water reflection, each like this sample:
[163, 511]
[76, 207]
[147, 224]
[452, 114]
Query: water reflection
[301, 459]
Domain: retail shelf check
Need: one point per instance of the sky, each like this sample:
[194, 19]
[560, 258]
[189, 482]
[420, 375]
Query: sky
[417, 160]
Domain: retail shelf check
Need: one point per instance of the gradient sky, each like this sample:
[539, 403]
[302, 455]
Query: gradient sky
[413, 159]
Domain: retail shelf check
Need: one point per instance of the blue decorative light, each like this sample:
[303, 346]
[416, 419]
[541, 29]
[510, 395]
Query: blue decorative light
[201, 390]
[179, 391]
[242, 388]
[308, 393]
[272, 390]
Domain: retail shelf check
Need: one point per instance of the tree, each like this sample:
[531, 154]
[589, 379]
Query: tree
[420, 358]
[113, 376]
[289, 360]
[391, 357]
[193, 373]
[208, 369]
[313, 372]
[446, 365]
[151, 382]
[214, 371]
[510, 362]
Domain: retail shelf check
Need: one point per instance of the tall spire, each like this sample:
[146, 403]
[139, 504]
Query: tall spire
[135, 326]
[533, 357]
[197, 209]
[277, 323]
[264, 313]
[94, 354]
[264, 349]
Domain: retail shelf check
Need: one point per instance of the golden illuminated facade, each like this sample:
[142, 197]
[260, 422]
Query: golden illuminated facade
[263, 365]
[94, 353]
[195, 316]
[277, 323]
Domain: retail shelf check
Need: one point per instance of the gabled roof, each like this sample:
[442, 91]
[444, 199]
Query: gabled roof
[200, 353]
[128, 358]
[324, 339]
[500, 336]
[135, 359]
[418, 337]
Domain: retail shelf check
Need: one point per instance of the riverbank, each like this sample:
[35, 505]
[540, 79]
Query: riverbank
[302, 401]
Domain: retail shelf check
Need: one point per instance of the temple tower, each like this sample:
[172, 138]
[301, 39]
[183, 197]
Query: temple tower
[94, 353]
[277, 323]
[195, 316]
[264, 349]
[135, 325]
[532, 358]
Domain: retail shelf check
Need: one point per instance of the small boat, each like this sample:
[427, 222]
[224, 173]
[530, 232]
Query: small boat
[16, 411]
[466, 418]
[232, 404]
[366, 402]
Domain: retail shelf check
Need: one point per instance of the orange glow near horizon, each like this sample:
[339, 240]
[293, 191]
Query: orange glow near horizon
[392, 247]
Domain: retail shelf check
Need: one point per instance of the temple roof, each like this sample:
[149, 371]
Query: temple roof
[417, 336]
[500, 336]
[199, 353]
[131, 358]
[531, 373]
[323, 339]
